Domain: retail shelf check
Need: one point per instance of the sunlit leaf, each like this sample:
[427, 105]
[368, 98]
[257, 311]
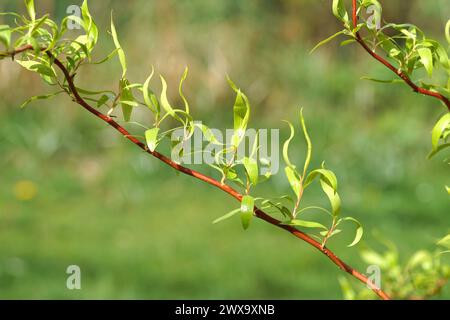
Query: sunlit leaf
[359, 230]
[183, 78]
[251, 166]
[120, 51]
[426, 57]
[339, 11]
[151, 136]
[241, 114]
[308, 143]
[247, 207]
[127, 100]
[323, 42]
[305, 224]
[439, 129]
[294, 180]
[445, 242]
[227, 216]
[5, 35]
[42, 97]
[164, 100]
[30, 8]
[286, 146]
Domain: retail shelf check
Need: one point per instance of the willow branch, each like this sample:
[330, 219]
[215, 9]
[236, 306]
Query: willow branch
[224, 187]
[402, 75]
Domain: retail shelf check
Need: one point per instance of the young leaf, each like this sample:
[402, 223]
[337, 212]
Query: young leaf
[359, 230]
[226, 216]
[251, 166]
[426, 57]
[294, 180]
[164, 101]
[308, 143]
[120, 51]
[5, 35]
[127, 100]
[89, 25]
[43, 97]
[286, 146]
[339, 11]
[447, 31]
[31, 10]
[439, 129]
[180, 89]
[445, 242]
[321, 43]
[241, 114]
[306, 224]
[40, 68]
[151, 136]
[149, 97]
[247, 208]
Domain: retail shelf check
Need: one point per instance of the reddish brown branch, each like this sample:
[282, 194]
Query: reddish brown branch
[397, 71]
[229, 190]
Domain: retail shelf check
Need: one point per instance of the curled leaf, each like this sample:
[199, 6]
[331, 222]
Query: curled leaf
[359, 230]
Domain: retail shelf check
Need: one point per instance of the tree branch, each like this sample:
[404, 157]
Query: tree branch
[229, 190]
[397, 71]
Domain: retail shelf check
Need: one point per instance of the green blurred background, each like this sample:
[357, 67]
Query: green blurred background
[72, 191]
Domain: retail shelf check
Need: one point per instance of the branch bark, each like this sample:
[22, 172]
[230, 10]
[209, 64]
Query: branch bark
[386, 63]
[225, 188]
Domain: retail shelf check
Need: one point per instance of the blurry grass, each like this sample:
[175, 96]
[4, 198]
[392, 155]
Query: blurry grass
[138, 230]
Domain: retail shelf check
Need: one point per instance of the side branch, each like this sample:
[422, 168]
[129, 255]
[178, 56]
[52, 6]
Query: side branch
[386, 63]
[229, 190]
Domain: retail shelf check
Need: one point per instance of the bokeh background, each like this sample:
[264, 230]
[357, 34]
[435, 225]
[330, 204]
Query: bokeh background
[74, 192]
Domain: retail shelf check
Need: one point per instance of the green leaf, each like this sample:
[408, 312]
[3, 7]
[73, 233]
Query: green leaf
[5, 35]
[327, 174]
[323, 42]
[89, 26]
[444, 242]
[37, 67]
[381, 80]
[294, 180]
[31, 10]
[447, 31]
[241, 114]
[43, 97]
[339, 11]
[151, 136]
[359, 230]
[332, 195]
[120, 51]
[149, 97]
[102, 101]
[247, 208]
[164, 101]
[448, 189]
[127, 100]
[286, 146]
[426, 57]
[227, 216]
[439, 129]
[180, 89]
[305, 224]
[251, 166]
[308, 143]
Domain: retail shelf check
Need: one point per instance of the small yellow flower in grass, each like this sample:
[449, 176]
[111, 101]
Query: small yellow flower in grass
[25, 190]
